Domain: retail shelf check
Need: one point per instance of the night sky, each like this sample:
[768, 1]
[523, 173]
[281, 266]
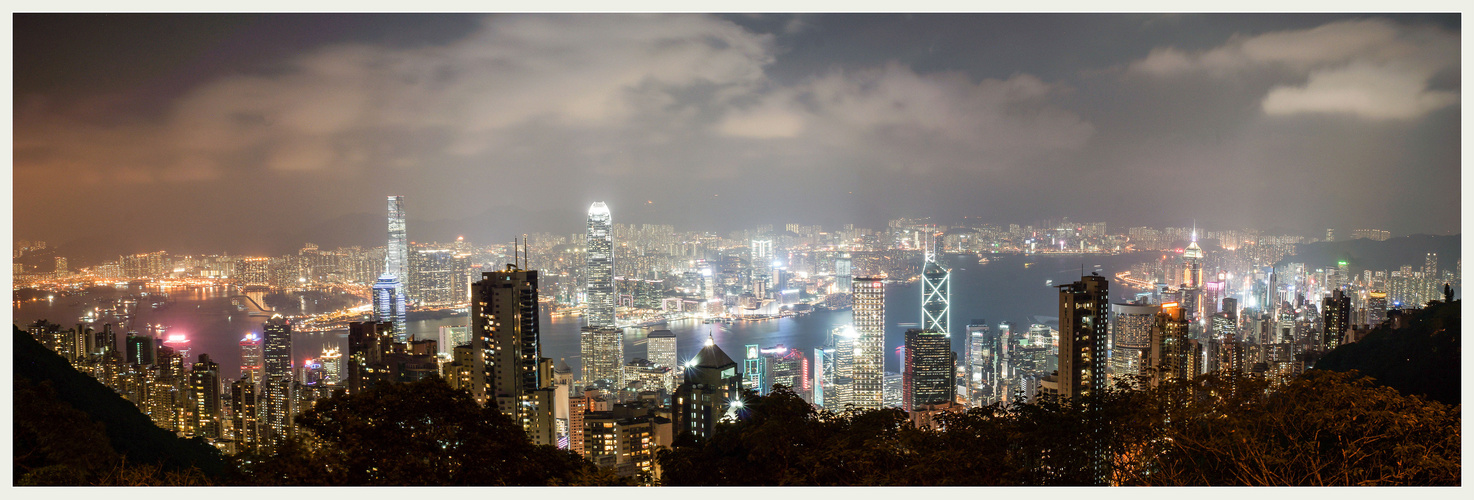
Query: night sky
[239, 133]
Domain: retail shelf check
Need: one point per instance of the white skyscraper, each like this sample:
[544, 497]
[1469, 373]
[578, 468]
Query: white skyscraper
[600, 268]
[396, 255]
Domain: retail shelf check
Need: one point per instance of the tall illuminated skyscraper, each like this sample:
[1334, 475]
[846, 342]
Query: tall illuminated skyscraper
[761, 258]
[1083, 327]
[869, 365]
[204, 388]
[600, 268]
[928, 372]
[243, 411]
[1131, 336]
[660, 348]
[389, 305]
[276, 398]
[396, 255]
[508, 368]
[251, 358]
[936, 296]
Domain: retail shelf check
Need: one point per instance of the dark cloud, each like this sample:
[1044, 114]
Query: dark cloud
[284, 122]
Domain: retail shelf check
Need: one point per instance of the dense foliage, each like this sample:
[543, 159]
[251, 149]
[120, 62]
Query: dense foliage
[421, 433]
[1420, 358]
[71, 429]
[1322, 429]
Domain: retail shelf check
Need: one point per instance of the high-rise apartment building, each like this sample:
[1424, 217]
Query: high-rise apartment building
[368, 344]
[204, 388]
[277, 380]
[1336, 316]
[509, 370]
[1084, 324]
[869, 365]
[928, 372]
[244, 414]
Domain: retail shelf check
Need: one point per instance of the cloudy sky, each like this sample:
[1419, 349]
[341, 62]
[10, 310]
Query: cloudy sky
[217, 132]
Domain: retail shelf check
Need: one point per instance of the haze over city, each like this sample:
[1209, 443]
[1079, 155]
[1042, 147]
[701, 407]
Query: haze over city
[256, 133]
[742, 249]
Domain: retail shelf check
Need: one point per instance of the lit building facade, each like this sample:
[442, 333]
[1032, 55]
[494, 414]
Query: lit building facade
[277, 380]
[1084, 322]
[509, 370]
[869, 365]
[599, 268]
[928, 372]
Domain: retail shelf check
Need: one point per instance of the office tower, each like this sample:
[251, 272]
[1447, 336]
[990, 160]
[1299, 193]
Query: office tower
[396, 255]
[1083, 333]
[927, 375]
[251, 358]
[439, 277]
[204, 385]
[1336, 311]
[509, 370]
[845, 340]
[660, 348]
[819, 381]
[982, 356]
[1131, 333]
[452, 336]
[243, 413]
[761, 259]
[602, 350]
[869, 365]
[140, 349]
[711, 391]
[842, 269]
[600, 269]
[277, 380]
[936, 294]
[1376, 307]
[332, 365]
[754, 374]
[389, 305]
[1169, 356]
[785, 367]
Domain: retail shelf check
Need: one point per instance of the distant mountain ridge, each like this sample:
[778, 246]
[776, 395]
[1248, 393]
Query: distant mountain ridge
[1388, 255]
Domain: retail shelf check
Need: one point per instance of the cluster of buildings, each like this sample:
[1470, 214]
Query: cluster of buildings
[1189, 315]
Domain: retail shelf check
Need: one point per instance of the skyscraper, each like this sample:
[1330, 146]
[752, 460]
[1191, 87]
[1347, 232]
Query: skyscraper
[761, 259]
[600, 268]
[368, 344]
[243, 413]
[710, 392]
[927, 377]
[389, 305]
[1131, 336]
[396, 255]
[508, 368]
[277, 380]
[1083, 327]
[936, 296]
[1169, 357]
[1336, 310]
[204, 385]
[251, 358]
[869, 364]
[660, 348]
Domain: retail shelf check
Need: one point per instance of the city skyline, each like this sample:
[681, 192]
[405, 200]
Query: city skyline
[1225, 118]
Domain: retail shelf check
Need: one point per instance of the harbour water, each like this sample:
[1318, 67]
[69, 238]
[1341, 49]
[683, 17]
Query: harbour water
[1014, 288]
